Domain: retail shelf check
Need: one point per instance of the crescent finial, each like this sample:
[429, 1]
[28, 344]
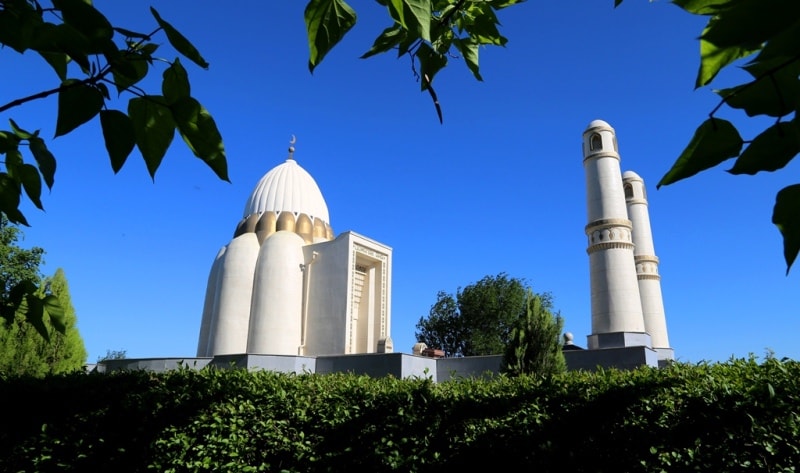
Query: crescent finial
[291, 146]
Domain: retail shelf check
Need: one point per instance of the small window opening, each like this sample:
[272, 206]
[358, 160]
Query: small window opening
[595, 143]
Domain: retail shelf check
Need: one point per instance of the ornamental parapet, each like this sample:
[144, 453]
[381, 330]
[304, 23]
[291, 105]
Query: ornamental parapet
[607, 223]
[646, 259]
[654, 277]
[623, 245]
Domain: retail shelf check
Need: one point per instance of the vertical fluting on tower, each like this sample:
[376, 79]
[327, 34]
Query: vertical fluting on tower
[616, 306]
[644, 253]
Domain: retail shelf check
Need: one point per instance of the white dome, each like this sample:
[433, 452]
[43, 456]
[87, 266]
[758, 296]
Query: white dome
[288, 188]
[630, 175]
[598, 124]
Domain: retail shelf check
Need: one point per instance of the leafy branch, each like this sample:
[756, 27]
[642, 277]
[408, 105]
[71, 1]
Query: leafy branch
[78, 33]
[766, 32]
[426, 30]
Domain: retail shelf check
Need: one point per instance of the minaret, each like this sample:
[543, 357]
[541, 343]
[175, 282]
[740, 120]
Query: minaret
[644, 254]
[617, 319]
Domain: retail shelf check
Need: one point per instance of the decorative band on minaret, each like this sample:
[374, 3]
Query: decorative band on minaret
[655, 322]
[617, 319]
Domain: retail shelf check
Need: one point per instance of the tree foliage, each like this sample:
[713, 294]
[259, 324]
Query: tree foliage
[535, 345]
[24, 351]
[22, 297]
[761, 36]
[479, 319]
[91, 57]
[113, 355]
[428, 31]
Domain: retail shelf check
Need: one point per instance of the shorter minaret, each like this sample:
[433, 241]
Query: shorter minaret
[617, 319]
[644, 253]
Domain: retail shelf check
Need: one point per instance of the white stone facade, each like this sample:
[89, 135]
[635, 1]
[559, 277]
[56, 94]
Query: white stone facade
[285, 286]
[627, 306]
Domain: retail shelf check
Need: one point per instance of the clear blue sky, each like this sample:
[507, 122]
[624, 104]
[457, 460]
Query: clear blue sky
[499, 187]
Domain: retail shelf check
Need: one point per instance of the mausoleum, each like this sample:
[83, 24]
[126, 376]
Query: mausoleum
[284, 285]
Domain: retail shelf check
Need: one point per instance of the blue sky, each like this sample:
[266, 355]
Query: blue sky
[499, 187]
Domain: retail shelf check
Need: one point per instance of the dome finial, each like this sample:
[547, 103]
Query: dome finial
[291, 147]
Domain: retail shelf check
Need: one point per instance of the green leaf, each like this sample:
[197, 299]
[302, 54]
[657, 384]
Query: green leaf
[32, 183]
[786, 216]
[703, 7]
[179, 42]
[13, 164]
[63, 38]
[32, 309]
[175, 85]
[19, 25]
[749, 23]
[118, 135]
[714, 141]
[482, 25]
[713, 59]
[88, 20]
[9, 199]
[766, 96]
[44, 159]
[53, 308]
[8, 141]
[469, 50]
[769, 151]
[413, 15]
[200, 133]
[77, 104]
[58, 61]
[430, 63]
[128, 69]
[154, 128]
[390, 38]
[327, 21]
[784, 46]
[20, 133]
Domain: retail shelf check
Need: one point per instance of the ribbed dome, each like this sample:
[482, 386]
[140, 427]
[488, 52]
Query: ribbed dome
[288, 187]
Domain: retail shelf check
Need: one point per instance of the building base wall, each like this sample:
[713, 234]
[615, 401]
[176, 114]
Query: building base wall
[618, 340]
[625, 358]
[399, 365]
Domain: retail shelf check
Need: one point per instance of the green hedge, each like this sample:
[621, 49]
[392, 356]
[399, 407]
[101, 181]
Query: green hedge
[742, 415]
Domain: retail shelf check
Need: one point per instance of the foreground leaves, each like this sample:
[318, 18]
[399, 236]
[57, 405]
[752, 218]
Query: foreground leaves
[429, 31]
[66, 36]
[767, 33]
[739, 415]
[89, 55]
[785, 217]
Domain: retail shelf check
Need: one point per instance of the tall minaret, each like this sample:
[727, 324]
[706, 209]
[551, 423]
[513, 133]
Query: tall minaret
[644, 254]
[617, 319]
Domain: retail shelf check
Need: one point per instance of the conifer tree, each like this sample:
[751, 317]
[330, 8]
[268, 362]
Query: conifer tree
[535, 344]
[23, 349]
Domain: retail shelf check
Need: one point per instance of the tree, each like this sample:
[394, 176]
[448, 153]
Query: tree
[535, 346]
[764, 33]
[23, 349]
[21, 295]
[16, 264]
[66, 351]
[113, 355]
[479, 319]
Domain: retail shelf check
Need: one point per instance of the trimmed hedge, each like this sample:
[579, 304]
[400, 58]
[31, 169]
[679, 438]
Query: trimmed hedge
[742, 415]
